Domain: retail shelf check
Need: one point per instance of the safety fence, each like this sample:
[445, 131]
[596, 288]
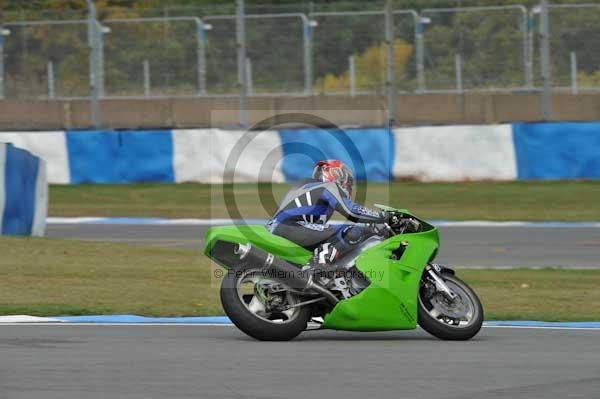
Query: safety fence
[339, 49]
[440, 153]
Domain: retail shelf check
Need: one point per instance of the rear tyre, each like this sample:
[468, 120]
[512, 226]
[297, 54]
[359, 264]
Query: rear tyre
[248, 311]
[455, 321]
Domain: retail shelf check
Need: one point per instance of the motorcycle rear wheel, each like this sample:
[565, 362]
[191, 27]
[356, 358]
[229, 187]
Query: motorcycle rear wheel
[259, 324]
[445, 325]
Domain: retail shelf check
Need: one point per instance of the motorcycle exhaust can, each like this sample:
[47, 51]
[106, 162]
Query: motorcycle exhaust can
[282, 271]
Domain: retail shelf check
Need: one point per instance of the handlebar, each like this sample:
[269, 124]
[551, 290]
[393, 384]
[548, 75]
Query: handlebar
[398, 223]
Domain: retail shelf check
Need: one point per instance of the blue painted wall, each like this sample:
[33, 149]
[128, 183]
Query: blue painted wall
[368, 152]
[120, 157]
[557, 150]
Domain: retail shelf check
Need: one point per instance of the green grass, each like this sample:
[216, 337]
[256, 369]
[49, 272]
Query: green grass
[46, 277]
[544, 294]
[572, 200]
[52, 277]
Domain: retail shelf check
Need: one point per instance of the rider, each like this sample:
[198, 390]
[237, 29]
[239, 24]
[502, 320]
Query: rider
[304, 212]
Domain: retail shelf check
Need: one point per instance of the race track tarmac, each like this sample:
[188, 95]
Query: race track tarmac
[142, 362]
[575, 247]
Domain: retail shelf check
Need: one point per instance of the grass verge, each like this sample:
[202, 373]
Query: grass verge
[569, 200]
[40, 276]
[48, 277]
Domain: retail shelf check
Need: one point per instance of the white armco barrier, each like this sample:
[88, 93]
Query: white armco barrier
[203, 155]
[50, 146]
[23, 192]
[455, 153]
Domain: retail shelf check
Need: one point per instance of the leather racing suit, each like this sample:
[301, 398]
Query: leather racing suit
[303, 217]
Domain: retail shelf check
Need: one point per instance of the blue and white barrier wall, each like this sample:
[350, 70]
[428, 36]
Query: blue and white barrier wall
[438, 153]
[23, 192]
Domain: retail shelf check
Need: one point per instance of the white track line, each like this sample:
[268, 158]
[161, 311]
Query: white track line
[67, 324]
[63, 324]
[28, 319]
[547, 328]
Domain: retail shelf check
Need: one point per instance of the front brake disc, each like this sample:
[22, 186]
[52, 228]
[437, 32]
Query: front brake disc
[456, 309]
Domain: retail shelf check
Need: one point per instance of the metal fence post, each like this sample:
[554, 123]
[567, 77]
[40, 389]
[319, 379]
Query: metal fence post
[574, 82]
[146, 67]
[531, 47]
[249, 75]
[419, 43]
[241, 61]
[307, 44]
[389, 38]
[459, 77]
[545, 59]
[93, 46]
[201, 53]
[51, 85]
[100, 32]
[1, 62]
[352, 73]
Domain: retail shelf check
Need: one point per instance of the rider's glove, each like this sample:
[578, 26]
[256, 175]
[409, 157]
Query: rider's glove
[378, 229]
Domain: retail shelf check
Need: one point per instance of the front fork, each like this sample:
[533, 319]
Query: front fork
[435, 271]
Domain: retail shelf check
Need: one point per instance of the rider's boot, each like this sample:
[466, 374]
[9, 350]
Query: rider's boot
[322, 264]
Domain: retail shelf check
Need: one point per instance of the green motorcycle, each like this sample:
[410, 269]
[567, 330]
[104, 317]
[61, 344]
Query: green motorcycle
[388, 283]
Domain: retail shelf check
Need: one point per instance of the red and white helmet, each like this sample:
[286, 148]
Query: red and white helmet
[333, 170]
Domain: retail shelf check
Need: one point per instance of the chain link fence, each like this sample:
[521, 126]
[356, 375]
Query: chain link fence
[574, 30]
[329, 49]
[357, 65]
[276, 54]
[154, 56]
[45, 59]
[476, 48]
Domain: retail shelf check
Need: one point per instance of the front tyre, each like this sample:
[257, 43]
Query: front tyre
[459, 319]
[256, 306]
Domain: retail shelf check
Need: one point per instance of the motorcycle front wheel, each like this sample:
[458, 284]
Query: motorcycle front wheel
[457, 319]
[248, 298]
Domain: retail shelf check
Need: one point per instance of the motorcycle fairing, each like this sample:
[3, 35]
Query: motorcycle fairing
[390, 301]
